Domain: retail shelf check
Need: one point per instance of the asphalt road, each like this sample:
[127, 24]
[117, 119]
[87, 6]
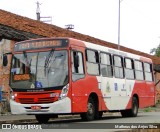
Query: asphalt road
[114, 122]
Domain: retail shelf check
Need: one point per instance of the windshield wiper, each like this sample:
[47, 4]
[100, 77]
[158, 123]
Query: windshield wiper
[26, 58]
[47, 61]
[48, 58]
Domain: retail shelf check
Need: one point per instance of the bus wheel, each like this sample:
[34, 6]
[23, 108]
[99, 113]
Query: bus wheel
[125, 113]
[133, 111]
[98, 115]
[90, 114]
[42, 118]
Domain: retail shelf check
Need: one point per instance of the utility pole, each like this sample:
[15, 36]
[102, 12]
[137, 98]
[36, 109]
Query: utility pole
[38, 11]
[49, 18]
[119, 23]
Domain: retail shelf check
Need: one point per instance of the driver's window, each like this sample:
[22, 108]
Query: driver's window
[77, 65]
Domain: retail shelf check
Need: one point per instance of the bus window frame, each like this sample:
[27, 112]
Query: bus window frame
[151, 71]
[97, 59]
[111, 63]
[139, 70]
[122, 60]
[74, 73]
[133, 68]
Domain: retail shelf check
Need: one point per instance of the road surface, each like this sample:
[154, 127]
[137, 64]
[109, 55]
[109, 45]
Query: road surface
[114, 122]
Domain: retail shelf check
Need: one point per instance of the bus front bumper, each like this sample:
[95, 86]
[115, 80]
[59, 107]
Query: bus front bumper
[58, 107]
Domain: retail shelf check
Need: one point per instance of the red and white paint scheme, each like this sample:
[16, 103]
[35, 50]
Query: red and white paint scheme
[52, 76]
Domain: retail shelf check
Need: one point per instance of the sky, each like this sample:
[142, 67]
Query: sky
[139, 19]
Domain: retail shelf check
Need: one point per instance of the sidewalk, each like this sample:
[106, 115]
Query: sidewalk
[8, 118]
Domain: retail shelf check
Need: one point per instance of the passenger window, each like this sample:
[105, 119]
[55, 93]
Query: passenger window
[118, 67]
[148, 72]
[138, 70]
[105, 66]
[92, 58]
[129, 68]
[105, 59]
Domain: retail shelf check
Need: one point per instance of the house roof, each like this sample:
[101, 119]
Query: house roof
[19, 28]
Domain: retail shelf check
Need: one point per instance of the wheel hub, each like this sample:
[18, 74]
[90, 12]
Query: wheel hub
[90, 108]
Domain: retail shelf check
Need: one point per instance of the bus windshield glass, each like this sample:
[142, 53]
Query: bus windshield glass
[39, 69]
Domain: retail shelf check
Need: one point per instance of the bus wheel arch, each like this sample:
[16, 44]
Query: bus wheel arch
[92, 108]
[134, 108]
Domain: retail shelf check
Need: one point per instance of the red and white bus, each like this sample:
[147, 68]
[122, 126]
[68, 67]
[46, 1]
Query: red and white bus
[53, 76]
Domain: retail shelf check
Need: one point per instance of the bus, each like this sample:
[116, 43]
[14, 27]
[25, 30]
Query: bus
[56, 76]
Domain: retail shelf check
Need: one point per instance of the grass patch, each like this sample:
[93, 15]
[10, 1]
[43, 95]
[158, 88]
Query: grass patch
[148, 109]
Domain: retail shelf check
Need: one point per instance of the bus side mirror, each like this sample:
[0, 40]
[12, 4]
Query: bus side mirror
[5, 60]
[76, 60]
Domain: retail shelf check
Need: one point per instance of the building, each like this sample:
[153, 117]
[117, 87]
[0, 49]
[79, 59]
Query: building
[14, 28]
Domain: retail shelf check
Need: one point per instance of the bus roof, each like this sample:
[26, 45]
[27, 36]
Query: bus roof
[55, 42]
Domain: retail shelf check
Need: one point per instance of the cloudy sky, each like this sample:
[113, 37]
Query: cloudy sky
[140, 19]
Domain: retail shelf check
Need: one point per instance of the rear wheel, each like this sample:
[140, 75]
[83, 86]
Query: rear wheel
[90, 114]
[133, 111]
[42, 118]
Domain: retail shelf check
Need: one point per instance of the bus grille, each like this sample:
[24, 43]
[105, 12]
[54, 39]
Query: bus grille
[36, 100]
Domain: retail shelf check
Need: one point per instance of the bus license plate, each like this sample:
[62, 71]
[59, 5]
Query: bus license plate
[36, 107]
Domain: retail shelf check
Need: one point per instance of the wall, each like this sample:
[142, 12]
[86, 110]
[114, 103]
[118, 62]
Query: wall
[5, 47]
[157, 78]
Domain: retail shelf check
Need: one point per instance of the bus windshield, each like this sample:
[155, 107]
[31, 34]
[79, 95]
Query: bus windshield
[39, 69]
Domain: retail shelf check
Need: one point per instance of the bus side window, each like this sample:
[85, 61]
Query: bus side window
[92, 58]
[77, 65]
[129, 69]
[118, 67]
[106, 65]
[148, 72]
[138, 70]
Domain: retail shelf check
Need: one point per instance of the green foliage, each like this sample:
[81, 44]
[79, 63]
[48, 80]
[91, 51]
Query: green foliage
[156, 51]
[148, 109]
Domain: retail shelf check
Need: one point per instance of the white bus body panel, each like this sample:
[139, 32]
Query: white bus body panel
[61, 106]
[116, 92]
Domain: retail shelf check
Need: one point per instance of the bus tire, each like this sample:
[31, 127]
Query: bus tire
[98, 115]
[42, 119]
[133, 111]
[90, 114]
[125, 113]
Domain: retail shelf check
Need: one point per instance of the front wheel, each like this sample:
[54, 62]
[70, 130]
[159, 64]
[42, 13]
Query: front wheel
[98, 115]
[90, 114]
[42, 119]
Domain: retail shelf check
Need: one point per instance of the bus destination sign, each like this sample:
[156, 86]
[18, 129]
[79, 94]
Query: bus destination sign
[39, 44]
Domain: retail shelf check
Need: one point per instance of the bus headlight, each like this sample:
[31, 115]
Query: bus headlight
[64, 92]
[13, 96]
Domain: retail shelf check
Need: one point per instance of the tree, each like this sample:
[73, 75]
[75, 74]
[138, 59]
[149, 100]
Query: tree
[155, 51]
